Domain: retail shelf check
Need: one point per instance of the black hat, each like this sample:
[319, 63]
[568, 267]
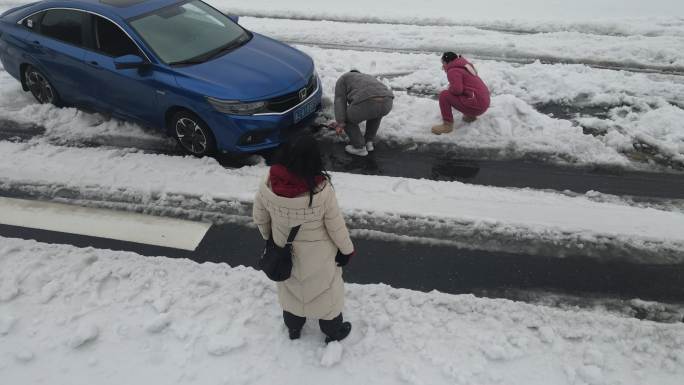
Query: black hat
[448, 57]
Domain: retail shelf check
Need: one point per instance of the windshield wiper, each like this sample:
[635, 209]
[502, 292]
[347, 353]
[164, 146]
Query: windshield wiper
[187, 62]
[240, 41]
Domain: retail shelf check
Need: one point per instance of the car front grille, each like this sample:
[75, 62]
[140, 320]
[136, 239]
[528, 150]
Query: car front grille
[285, 102]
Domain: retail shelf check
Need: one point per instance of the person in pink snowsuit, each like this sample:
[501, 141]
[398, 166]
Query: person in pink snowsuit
[467, 93]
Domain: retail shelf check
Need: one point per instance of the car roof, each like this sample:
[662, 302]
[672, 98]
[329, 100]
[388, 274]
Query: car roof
[125, 9]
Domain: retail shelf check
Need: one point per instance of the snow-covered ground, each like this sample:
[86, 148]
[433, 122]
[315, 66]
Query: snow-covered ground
[637, 106]
[658, 52]
[510, 211]
[74, 316]
[595, 16]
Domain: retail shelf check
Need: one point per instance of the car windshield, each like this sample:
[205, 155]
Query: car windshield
[188, 33]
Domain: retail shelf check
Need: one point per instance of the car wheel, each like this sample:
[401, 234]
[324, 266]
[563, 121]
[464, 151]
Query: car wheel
[40, 87]
[193, 135]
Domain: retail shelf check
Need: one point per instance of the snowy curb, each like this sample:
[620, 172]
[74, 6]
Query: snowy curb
[489, 236]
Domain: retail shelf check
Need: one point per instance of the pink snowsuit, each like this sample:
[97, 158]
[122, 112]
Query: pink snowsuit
[467, 93]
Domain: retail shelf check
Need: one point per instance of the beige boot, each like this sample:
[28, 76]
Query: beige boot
[444, 128]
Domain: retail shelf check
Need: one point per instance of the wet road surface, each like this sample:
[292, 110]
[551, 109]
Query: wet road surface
[450, 166]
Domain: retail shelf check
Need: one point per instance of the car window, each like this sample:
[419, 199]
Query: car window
[33, 22]
[111, 40]
[187, 31]
[63, 24]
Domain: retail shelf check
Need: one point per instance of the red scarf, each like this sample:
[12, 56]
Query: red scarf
[288, 185]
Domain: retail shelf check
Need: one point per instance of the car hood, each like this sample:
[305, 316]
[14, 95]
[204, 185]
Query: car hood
[262, 68]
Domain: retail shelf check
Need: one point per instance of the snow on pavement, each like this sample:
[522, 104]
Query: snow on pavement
[608, 17]
[79, 314]
[657, 52]
[515, 211]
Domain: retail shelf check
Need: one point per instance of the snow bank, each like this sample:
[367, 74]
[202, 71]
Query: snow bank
[602, 16]
[223, 326]
[658, 52]
[512, 210]
[634, 107]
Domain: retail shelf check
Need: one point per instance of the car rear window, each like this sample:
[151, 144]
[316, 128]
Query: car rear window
[63, 24]
[111, 40]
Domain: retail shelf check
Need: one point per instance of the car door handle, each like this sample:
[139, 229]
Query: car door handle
[94, 63]
[36, 42]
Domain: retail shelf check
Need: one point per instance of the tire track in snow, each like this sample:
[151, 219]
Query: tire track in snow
[511, 58]
[431, 22]
[376, 20]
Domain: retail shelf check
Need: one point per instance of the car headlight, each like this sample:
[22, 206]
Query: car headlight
[235, 107]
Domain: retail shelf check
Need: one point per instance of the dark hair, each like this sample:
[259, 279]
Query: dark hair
[355, 71]
[448, 57]
[302, 157]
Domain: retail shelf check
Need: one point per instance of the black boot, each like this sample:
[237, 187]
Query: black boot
[295, 333]
[294, 324]
[342, 333]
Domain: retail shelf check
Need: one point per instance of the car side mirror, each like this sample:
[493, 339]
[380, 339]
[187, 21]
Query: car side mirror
[234, 18]
[128, 62]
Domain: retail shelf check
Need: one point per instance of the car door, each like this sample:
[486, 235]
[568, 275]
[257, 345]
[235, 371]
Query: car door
[58, 48]
[129, 93]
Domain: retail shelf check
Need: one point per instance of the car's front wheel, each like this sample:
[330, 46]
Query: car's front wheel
[193, 135]
[40, 87]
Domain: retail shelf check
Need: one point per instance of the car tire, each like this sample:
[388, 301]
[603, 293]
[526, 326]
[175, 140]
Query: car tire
[40, 87]
[192, 134]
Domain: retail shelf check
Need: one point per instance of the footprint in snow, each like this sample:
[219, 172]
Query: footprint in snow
[6, 324]
[401, 186]
[8, 291]
[222, 345]
[85, 333]
[158, 324]
[49, 291]
[24, 355]
[162, 304]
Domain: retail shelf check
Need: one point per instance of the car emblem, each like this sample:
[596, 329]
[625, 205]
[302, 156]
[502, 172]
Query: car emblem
[302, 93]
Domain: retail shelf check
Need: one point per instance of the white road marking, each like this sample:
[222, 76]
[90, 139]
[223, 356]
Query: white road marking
[118, 225]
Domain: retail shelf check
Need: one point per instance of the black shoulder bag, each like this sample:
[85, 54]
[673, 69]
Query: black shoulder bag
[276, 261]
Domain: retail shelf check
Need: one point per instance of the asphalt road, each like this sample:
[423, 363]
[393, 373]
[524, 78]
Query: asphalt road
[451, 166]
[424, 267]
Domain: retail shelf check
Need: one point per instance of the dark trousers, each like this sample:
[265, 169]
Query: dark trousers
[330, 328]
[371, 111]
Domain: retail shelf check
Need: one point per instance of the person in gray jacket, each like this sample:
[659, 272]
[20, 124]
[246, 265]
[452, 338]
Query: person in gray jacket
[360, 97]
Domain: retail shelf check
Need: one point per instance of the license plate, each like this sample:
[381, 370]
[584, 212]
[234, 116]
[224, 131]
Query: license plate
[304, 111]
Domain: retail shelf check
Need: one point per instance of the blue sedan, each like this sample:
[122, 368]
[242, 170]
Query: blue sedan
[181, 66]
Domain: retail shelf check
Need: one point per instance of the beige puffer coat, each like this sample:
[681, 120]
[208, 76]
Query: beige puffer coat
[315, 289]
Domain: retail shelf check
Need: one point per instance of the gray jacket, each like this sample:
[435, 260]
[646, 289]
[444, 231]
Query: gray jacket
[354, 88]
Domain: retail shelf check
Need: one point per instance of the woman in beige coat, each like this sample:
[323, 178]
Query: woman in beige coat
[297, 191]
